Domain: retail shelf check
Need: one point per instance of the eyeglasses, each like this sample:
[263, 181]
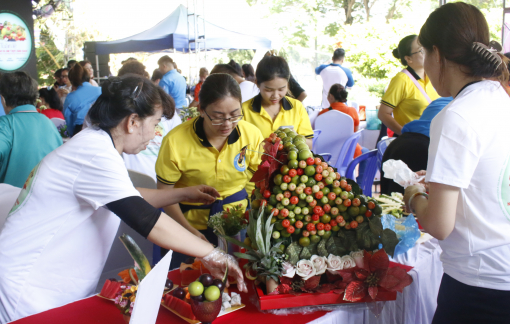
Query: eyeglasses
[419, 51]
[221, 121]
[64, 76]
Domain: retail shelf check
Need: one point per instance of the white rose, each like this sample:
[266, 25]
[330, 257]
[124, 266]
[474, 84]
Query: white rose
[305, 269]
[334, 263]
[288, 270]
[319, 263]
[348, 262]
[358, 258]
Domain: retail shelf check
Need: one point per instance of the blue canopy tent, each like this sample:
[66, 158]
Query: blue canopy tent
[172, 33]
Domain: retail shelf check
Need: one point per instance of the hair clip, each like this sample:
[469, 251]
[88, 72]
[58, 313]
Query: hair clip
[487, 54]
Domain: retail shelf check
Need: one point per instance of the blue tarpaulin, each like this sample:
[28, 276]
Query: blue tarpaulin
[172, 33]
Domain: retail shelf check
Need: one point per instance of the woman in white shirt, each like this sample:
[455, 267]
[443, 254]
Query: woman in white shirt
[468, 172]
[56, 239]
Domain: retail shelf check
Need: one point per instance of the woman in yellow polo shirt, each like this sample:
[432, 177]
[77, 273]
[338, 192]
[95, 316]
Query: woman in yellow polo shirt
[272, 109]
[209, 150]
[410, 91]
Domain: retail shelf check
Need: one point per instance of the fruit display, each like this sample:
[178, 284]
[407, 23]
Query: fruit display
[317, 211]
[12, 32]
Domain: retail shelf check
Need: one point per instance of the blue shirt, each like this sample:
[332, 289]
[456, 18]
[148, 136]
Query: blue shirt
[422, 125]
[175, 85]
[350, 80]
[2, 112]
[78, 103]
[26, 137]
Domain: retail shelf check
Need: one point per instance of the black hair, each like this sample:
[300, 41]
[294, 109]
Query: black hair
[338, 92]
[271, 67]
[404, 49]
[455, 40]
[133, 67]
[508, 57]
[225, 68]
[58, 73]
[156, 75]
[248, 71]
[51, 97]
[121, 97]
[129, 59]
[71, 64]
[216, 87]
[78, 75]
[18, 89]
[236, 67]
[338, 54]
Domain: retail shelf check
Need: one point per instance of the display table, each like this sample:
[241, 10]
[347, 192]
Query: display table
[416, 305]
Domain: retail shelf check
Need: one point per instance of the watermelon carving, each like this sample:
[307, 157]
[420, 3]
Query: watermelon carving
[179, 306]
[110, 289]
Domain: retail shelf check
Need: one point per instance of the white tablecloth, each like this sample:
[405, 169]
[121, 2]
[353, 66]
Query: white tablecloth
[416, 305]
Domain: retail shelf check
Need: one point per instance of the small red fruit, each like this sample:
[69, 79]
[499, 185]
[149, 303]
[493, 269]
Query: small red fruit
[287, 194]
[310, 227]
[347, 226]
[318, 169]
[318, 177]
[287, 178]
[371, 205]
[280, 146]
[300, 172]
[267, 194]
[313, 203]
[318, 161]
[317, 210]
[308, 190]
[310, 161]
[333, 223]
[347, 202]
[327, 227]
[319, 195]
[343, 184]
[353, 224]
[320, 226]
[326, 208]
[290, 229]
[356, 202]
[348, 187]
[313, 232]
[324, 165]
[284, 212]
[315, 217]
[285, 223]
[332, 196]
[275, 211]
[339, 219]
[368, 213]
[292, 173]
[294, 200]
[298, 224]
[305, 233]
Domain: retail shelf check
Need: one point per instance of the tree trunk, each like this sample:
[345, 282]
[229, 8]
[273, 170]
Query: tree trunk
[368, 7]
[392, 11]
[348, 4]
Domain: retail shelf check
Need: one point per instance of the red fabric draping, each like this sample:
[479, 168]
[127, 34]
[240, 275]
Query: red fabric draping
[99, 310]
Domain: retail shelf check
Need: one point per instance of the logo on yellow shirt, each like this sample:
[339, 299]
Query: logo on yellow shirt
[240, 160]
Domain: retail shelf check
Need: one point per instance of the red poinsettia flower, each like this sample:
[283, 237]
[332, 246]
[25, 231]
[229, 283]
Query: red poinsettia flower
[266, 169]
[374, 274]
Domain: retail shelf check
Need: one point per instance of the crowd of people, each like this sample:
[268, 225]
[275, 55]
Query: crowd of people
[79, 191]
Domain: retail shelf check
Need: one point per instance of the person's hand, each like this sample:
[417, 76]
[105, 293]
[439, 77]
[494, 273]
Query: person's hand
[410, 191]
[423, 173]
[200, 194]
[215, 261]
[198, 234]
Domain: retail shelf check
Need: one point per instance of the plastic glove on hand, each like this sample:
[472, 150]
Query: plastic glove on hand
[215, 262]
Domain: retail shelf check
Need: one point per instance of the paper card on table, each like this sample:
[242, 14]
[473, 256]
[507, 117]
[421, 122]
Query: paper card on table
[150, 290]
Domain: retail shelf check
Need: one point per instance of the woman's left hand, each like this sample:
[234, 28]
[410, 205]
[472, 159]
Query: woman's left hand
[410, 191]
[200, 194]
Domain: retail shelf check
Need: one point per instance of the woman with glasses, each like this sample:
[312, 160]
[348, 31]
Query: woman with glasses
[410, 91]
[56, 239]
[218, 149]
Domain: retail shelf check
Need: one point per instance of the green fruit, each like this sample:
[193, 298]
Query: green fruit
[315, 238]
[277, 190]
[287, 140]
[362, 209]
[278, 179]
[351, 196]
[282, 247]
[362, 199]
[302, 203]
[325, 191]
[272, 200]
[377, 210]
[305, 154]
[293, 155]
[353, 211]
[302, 146]
[325, 218]
[304, 241]
[288, 145]
[276, 235]
[293, 164]
[282, 135]
[300, 217]
[326, 235]
[297, 232]
[295, 179]
[278, 225]
[212, 293]
[196, 288]
[287, 130]
[310, 170]
[285, 233]
[269, 207]
[303, 178]
[311, 182]
[342, 208]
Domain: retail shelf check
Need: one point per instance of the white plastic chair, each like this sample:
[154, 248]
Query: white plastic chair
[336, 127]
[8, 196]
[119, 259]
[58, 121]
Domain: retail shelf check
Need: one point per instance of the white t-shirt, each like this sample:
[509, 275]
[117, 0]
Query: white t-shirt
[469, 149]
[248, 90]
[55, 241]
[145, 161]
[331, 75]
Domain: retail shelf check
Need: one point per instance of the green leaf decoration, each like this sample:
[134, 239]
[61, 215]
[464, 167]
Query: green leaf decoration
[238, 243]
[389, 240]
[293, 251]
[376, 226]
[305, 254]
[312, 248]
[351, 241]
[258, 237]
[321, 248]
[245, 256]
